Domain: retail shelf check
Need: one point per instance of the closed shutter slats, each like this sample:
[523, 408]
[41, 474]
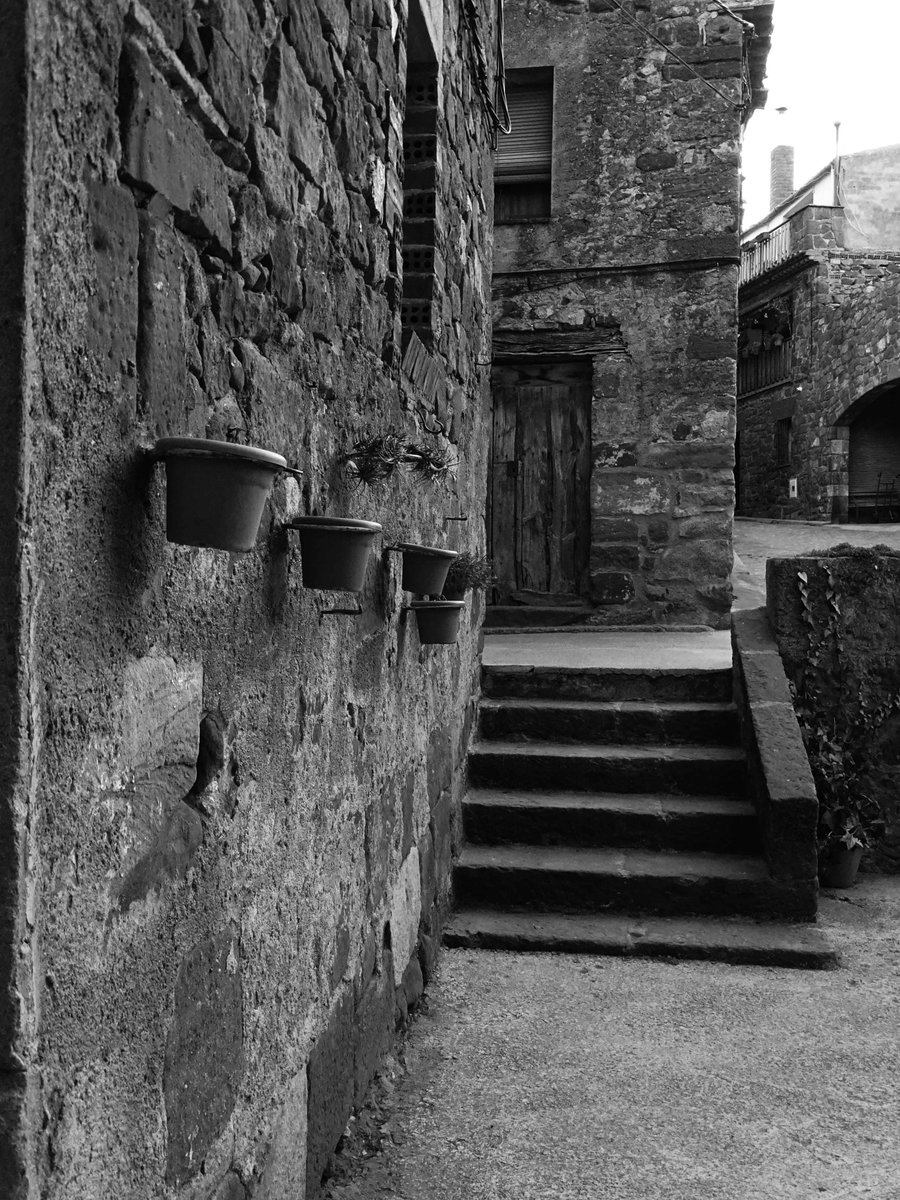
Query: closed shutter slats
[527, 151]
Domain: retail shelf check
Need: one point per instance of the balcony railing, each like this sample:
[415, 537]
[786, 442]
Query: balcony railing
[773, 249]
[764, 369]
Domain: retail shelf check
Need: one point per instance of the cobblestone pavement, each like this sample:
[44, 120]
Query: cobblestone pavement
[529, 1077]
[757, 540]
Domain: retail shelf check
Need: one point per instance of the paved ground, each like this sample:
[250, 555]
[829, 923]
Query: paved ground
[554, 1076]
[755, 541]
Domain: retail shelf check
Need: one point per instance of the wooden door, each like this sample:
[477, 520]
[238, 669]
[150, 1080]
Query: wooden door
[540, 479]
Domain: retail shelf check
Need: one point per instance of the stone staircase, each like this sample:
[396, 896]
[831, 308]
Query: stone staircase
[608, 812]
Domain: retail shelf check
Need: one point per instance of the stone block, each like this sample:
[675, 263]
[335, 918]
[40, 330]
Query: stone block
[405, 911]
[330, 1098]
[375, 1027]
[230, 1188]
[284, 1173]
[614, 529]
[228, 83]
[413, 983]
[204, 1059]
[629, 492]
[285, 282]
[161, 351]
[304, 32]
[677, 455]
[609, 558]
[293, 110]
[113, 325]
[656, 160]
[612, 587]
[164, 151]
[614, 454]
[14, 1149]
[169, 16]
[704, 347]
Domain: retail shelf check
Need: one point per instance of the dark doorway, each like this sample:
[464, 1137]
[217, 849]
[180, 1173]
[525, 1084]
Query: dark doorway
[540, 481]
[875, 460]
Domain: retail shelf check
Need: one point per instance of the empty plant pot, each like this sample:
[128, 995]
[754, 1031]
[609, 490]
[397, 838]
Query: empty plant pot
[216, 491]
[438, 621]
[425, 568]
[335, 551]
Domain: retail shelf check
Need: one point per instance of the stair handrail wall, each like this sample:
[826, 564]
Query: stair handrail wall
[781, 782]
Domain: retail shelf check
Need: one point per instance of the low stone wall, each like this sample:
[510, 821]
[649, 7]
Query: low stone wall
[782, 784]
[864, 654]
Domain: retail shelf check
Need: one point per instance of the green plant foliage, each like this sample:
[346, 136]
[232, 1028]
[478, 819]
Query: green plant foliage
[838, 713]
[469, 571]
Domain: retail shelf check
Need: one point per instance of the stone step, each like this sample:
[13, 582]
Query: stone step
[720, 824]
[608, 720]
[712, 939]
[532, 616]
[700, 770]
[567, 878]
[658, 685]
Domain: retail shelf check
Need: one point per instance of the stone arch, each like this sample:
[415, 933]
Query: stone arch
[869, 432]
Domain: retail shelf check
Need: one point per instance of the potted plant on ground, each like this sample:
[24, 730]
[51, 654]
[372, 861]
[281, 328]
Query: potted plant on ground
[216, 491]
[468, 572]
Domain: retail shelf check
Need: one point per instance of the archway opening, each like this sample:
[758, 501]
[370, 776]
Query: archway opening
[874, 456]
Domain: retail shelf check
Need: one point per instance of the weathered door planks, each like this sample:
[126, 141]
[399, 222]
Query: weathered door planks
[540, 481]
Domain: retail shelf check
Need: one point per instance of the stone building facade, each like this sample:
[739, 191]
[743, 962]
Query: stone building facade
[614, 306]
[819, 350]
[207, 229]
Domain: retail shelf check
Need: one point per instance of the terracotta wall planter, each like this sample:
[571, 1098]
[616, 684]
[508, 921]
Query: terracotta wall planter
[438, 621]
[425, 568]
[216, 491]
[335, 551]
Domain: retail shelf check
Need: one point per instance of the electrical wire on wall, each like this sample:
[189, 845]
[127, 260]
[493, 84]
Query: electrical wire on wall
[493, 99]
[620, 8]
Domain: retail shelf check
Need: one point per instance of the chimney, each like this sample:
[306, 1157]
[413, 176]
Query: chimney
[781, 176]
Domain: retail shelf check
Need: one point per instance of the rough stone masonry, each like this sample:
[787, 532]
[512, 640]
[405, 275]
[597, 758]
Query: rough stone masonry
[635, 271]
[226, 811]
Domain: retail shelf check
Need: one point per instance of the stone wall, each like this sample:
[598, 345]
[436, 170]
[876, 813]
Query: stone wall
[642, 240]
[855, 606]
[236, 812]
[846, 345]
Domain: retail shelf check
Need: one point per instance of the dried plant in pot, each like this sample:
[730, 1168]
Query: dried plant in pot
[374, 458]
[216, 491]
[468, 572]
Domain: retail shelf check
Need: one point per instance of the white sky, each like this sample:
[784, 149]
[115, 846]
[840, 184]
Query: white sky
[831, 60]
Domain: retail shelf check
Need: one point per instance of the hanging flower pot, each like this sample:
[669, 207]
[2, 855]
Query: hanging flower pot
[216, 491]
[438, 621]
[335, 551]
[424, 568]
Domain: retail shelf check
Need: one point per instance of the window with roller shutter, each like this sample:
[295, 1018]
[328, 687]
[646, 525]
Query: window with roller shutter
[524, 157]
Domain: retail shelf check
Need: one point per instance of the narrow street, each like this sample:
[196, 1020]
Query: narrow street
[756, 540]
[579, 1078]
[582, 1077]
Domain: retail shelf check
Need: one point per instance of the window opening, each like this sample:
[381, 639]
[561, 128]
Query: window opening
[523, 160]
